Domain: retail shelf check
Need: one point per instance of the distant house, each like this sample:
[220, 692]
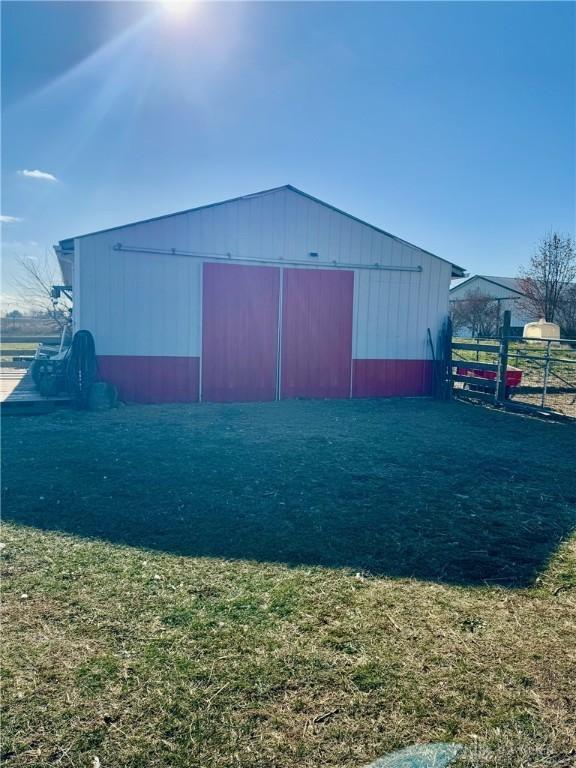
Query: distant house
[506, 292]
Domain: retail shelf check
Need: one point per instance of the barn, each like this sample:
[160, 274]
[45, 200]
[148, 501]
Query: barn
[269, 296]
[505, 293]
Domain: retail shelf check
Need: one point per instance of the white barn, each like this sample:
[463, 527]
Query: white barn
[506, 291]
[268, 296]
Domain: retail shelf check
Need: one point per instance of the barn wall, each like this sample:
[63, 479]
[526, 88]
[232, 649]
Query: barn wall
[76, 288]
[140, 304]
[145, 305]
[393, 311]
[144, 313]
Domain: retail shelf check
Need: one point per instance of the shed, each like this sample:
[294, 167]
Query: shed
[269, 296]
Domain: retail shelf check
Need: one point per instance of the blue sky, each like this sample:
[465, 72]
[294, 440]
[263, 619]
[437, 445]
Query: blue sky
[449, 124]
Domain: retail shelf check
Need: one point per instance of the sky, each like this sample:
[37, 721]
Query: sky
[451, 125]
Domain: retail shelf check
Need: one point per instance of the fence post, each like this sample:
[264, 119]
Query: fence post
[546, 372]
[448, 360]
[500, 394]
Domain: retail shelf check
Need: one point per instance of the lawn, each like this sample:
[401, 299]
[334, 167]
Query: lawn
[288, 584]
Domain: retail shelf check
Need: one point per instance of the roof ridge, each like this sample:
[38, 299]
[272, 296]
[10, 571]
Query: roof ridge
[490, 279]
[257, 194]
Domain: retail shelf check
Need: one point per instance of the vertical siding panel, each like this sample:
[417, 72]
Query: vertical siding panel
[322, 241]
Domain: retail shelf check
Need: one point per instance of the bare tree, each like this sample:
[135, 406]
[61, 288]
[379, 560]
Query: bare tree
[34, 283]
[548, 275]
[567, 312]
[477, 314]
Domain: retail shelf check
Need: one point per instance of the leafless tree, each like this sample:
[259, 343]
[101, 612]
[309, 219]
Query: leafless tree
[477, 313]
[567, 312]
[34, 284]
[548, 275]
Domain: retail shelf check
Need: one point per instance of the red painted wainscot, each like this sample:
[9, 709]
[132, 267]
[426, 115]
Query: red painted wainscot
[392, 378]
[152, 379]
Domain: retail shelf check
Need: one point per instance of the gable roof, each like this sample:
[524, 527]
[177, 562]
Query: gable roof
[68, 244]
[510, 283]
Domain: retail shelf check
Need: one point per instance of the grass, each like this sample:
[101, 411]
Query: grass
[9, 349]
[9, 346]
[293, 584]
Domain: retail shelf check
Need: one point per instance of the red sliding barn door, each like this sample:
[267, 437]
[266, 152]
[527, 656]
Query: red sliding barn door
[239, 332]
[316, 332]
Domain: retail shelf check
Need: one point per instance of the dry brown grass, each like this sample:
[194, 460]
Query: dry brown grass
[144, 657]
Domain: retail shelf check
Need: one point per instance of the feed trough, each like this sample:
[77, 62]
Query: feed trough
[513, 378]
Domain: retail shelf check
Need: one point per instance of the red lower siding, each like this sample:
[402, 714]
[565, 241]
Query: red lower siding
[392, 378]
[176, 379]
[152, 379]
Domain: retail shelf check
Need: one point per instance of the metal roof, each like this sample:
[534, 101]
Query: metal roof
[510, 283]
[68, 244]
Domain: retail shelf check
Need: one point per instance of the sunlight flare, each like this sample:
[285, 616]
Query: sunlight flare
[177, 9]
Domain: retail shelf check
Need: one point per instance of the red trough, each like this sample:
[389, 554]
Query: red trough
[513, 375]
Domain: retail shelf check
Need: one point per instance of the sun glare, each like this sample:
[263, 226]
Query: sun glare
[176, 8]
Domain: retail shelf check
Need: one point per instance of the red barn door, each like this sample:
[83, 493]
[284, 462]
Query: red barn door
[317, 332]
[239, 332]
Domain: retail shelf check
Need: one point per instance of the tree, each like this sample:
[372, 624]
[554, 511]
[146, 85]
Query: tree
[14, 315]
[477, 314]
[567, 312]
[35, 280]
[548, 275]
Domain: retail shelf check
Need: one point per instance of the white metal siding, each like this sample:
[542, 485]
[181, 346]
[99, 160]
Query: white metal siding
[393, 311]
[146, 304]
[139, 304]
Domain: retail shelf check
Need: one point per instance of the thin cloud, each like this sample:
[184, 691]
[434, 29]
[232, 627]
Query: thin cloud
[38, 175]
[9, 219]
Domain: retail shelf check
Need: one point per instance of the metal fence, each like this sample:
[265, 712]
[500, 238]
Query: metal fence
[532, 374]
[546, 378]
[548, 374]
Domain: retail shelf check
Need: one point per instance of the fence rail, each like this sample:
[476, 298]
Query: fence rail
[529, 374]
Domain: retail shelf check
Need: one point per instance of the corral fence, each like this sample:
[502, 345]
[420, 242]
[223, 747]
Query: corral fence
[537, 375]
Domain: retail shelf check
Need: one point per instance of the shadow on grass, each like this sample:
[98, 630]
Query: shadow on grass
[402, 489]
